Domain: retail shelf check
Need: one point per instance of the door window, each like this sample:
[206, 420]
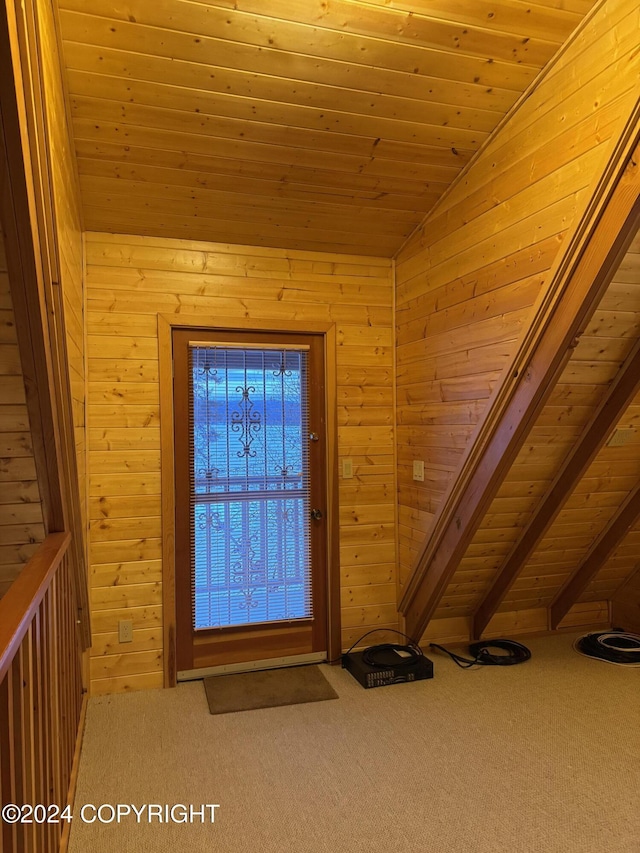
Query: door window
[251, 560]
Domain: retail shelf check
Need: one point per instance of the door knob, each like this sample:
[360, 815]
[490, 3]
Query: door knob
[316, 514]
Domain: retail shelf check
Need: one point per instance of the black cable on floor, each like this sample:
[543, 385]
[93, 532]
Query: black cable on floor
[516, 653]
[371, 655]
[376, 655]
[611, 646]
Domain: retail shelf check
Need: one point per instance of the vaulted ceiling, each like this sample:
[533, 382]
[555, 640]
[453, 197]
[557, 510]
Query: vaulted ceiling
[312, 124]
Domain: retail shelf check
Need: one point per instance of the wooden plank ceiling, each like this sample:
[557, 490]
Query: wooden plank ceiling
[329, 125]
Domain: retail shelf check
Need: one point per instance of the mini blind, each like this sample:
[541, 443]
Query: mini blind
[249, 485]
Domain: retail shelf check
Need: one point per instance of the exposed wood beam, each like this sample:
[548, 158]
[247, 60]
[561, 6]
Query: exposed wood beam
[579, 277]
[622, 391]
[599, 553]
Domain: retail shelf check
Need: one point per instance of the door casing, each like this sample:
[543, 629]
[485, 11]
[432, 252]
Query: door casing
[166, 324]
[207, 648]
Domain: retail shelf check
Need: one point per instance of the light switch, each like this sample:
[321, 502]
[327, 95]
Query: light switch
[418, 470]
[347, 469]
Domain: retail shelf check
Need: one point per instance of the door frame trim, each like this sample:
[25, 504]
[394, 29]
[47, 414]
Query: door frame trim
[166, 324]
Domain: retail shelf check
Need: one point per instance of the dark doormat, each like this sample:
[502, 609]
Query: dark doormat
[268, 688]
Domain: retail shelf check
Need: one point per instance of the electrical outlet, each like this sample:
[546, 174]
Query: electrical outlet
[347, 469]
[418, 470]
[125, 631]
[620, 437]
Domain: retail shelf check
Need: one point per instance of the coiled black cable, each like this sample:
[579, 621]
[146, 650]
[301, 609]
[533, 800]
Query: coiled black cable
[611, 646]
[516, 653]
[375, 655]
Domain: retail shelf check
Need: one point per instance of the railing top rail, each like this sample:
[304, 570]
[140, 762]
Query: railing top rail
[20, 603]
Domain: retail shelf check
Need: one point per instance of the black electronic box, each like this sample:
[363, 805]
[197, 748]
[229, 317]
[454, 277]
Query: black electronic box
[392, 668]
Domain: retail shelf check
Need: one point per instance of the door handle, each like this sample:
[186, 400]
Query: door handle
[316, 514]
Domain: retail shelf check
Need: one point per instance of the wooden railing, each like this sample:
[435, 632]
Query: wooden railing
[41, 696]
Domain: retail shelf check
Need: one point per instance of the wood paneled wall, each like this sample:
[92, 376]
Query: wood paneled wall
[68, 222]
[132, 279]
[621, 567]
[468, 278]
[626, 603]
[583, 384]
[21, 525]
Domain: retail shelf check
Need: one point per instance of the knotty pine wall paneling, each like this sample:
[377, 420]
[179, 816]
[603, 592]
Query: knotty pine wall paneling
[612, 579]
[468, 278]
[583, 384]
[21, 525]
[132, 279]
[625, 609]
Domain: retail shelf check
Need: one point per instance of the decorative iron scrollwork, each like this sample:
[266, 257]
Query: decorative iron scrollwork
[250, 503]
[282, 369]
[208, 369]
[246, 421]
[284, 470]
[208, 473]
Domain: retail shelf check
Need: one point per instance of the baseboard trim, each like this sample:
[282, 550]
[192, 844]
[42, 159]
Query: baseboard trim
[73, 780]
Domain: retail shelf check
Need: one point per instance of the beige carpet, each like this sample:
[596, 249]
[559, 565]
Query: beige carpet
[269, 688]
[538, 758]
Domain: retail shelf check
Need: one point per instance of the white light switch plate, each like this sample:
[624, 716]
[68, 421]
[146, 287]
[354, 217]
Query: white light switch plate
[418, 470]
[347, 469]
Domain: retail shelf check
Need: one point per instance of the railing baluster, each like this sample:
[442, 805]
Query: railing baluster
[45, 713]
[15, 731]
[7, 830]
[67, 670]
[28, 745]
[37, 705]
[40, 694]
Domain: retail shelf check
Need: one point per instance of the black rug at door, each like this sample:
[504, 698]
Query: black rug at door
[269, 688]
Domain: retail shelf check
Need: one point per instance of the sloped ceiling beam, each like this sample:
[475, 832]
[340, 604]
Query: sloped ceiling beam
[620, 394]
[601, 550]
[579, 277]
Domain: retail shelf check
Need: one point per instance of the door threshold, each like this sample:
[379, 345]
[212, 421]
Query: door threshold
[251, 665]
